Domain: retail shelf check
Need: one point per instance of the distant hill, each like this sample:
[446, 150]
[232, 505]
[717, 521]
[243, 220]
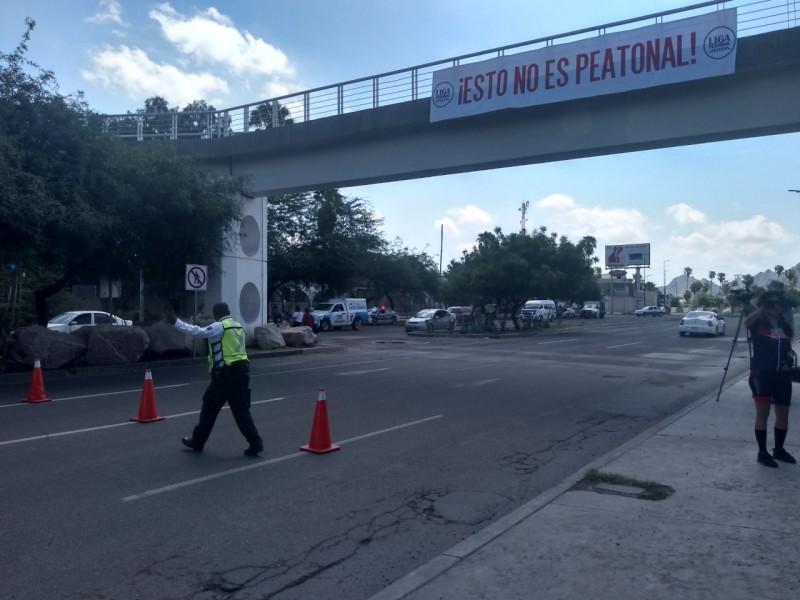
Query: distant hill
[678, 284]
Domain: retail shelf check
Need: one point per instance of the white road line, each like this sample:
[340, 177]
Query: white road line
[623, 345]
[263, 463]
[477, 383]
[362, 372]
[137, 390]
[337, 366]
[112, 425]
[557, 341]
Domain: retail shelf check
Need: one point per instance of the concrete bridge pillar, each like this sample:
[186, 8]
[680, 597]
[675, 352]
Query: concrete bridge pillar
[239, 276]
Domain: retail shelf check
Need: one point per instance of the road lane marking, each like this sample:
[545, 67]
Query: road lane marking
[137, 390]
[112, 425]
[557, 341]
[477, 383]
[622, 345]
[263, 463]
[362, 372]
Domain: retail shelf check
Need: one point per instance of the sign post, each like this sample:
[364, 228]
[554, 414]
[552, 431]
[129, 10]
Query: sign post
[196, 280]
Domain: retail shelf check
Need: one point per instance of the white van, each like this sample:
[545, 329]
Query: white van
[541, 309]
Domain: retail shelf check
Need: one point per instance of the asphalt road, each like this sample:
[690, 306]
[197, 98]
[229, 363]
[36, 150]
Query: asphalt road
[439, 436]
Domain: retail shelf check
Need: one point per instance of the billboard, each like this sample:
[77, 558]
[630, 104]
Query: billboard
[629, 255]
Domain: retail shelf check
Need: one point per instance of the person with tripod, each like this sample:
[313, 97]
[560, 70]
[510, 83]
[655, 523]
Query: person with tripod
[770, 373]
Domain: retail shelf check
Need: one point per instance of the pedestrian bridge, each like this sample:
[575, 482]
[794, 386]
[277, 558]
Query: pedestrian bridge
[379, 129]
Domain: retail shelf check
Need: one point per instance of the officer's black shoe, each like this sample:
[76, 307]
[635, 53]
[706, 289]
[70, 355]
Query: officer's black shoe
[191, 443]
[254, 450]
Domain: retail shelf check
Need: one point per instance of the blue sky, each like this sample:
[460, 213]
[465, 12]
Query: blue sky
[722, 207]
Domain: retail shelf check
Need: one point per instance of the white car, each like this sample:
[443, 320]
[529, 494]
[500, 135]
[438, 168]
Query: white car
[701, 322]
[431, 319]
[75, 319]
[653, 311]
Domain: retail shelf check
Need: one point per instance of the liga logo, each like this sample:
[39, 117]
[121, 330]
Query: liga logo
[443, 94]
[719, 42]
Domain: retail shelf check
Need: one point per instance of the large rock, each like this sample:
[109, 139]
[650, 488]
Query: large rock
[53, 348]
[299, 336]
[115, 345]
[268, 337]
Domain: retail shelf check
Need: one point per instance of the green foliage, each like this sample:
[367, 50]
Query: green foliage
[261, 116]
[510, 269]
[78, 204]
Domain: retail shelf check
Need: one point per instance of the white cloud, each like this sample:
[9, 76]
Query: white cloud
[211, 38]
[686, 215]
[753, 236]
[471, 215]
[132, 71]
[110, 10]
[449, 226]
[557, 201]
[609, 225]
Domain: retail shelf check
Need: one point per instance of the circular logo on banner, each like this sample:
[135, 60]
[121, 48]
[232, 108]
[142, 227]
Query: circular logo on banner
[719, 42]
[196, 278]
[443, 94]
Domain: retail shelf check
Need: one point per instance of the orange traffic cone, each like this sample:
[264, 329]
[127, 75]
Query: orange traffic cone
[320, 441]
[36, 391]
[147, 405]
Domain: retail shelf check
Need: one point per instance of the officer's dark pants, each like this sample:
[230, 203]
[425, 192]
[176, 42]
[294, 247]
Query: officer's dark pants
[229, 384]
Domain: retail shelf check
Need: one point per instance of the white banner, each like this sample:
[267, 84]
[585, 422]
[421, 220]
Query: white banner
[693, 48]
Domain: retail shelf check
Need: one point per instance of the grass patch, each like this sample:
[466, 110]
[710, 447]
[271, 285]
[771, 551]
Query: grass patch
[650, 489]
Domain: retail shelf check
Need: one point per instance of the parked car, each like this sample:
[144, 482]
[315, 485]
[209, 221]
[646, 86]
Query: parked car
[459, 310]
[75, 319]
[430, 320]
[376, 316]
[652, 311]
[593, 309]
[544, 310]
[567, 312]
[701, 322]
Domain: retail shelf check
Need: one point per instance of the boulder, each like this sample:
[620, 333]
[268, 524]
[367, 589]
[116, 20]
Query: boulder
[268, 337]
[166, 339]
[53, 348]
[115, 345]
[299, 336]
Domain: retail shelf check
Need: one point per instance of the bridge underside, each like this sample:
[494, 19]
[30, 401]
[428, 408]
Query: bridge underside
[398, 142]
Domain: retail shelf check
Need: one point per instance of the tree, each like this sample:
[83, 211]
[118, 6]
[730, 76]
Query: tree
[78, 204]
[688, 271]
[156, 117]
[261, 117]
[779, 271]
[687, 295]
[791, 276]
[510, 269]
[197, 119]
[721, 279]
[322, 238]
[711, 276]
[695, 287]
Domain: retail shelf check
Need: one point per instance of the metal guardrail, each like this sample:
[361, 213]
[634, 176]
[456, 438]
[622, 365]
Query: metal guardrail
[754, 16]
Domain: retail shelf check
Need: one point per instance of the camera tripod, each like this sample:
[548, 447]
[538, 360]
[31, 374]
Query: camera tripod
[733, 346]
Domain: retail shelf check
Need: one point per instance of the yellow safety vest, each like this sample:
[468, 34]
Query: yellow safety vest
[230, 348]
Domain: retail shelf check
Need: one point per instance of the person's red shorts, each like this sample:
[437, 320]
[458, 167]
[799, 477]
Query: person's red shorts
[771, 387]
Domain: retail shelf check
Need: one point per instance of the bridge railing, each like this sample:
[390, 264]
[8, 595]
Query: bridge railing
[754, 16]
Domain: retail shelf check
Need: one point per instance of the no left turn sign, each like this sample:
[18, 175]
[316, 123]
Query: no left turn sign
[196, 278]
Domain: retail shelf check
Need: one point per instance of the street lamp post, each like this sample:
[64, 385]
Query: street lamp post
[665, 282]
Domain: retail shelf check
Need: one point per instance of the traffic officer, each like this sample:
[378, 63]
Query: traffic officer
[230, 378]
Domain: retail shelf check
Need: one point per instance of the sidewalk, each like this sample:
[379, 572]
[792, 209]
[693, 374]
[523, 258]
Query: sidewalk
[729, 531]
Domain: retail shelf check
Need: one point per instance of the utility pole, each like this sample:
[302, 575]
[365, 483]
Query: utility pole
[665, 282]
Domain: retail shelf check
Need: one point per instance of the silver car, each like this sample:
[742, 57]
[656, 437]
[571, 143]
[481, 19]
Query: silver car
[430, 320]
[75, 319]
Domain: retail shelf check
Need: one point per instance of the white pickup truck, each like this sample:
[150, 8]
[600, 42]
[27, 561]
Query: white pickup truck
[341, 312]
